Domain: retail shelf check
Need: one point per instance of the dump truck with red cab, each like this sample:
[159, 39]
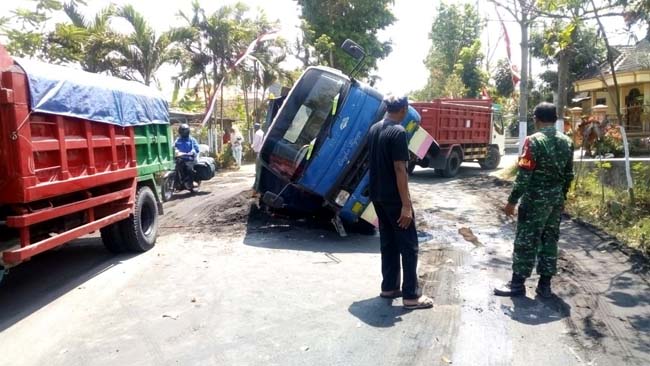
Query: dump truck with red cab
[69, 145]
[466, 130]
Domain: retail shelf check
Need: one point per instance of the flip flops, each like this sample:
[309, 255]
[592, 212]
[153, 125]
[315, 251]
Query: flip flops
[423, 303]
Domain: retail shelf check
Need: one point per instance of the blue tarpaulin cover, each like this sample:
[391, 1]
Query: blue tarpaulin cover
[75, 93]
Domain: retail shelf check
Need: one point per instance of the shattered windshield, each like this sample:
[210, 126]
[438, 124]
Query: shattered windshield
[307, 112]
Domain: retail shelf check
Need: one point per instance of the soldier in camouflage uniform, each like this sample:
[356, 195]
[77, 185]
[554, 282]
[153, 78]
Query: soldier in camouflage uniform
[543, 180]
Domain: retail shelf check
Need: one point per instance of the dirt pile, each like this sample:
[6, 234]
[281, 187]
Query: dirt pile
[229, 215]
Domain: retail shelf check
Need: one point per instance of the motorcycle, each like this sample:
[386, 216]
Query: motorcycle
[187, 175]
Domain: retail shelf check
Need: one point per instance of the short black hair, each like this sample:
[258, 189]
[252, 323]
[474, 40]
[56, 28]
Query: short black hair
[545, 112]
[395, 104]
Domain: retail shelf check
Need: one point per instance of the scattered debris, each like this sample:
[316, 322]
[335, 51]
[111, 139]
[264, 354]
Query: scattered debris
[468, 235]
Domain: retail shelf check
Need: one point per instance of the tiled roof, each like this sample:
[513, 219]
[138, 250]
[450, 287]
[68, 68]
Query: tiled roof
[630, 58]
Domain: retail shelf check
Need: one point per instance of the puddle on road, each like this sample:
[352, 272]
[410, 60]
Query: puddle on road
[424, 236]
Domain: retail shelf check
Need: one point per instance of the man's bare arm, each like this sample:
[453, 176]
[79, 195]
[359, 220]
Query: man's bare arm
[401, 176]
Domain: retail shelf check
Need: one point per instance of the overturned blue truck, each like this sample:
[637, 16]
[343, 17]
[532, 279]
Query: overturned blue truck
[314, 157]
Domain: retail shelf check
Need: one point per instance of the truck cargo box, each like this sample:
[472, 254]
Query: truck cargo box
[457, 121]
[68, 161]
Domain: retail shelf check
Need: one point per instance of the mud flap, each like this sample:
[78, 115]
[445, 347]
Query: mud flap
[338, 225]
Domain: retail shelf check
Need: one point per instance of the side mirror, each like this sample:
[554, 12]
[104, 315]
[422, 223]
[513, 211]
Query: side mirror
[353, 49]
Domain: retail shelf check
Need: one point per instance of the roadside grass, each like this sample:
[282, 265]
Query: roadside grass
[609, 208]
[508, 173]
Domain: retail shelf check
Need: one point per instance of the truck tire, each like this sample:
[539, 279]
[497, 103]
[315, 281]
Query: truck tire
[167, 187]
[453, 165]
[141, 228]
[112, 238]
[492, 160]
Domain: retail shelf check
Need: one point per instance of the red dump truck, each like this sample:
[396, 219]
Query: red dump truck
[68, 163]
[466, 130]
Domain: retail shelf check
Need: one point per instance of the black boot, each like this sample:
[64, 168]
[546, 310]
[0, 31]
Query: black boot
[513, 288]
[544, 287]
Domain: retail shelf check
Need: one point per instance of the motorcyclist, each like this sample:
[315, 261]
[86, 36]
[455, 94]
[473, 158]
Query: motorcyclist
[187, 149]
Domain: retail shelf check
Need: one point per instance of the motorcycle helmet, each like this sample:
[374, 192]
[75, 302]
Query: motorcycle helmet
[184, 130]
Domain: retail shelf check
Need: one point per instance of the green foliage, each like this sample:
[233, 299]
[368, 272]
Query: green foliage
[211, 43]
[225, 159]
[328, 23]
[455, 53]
[88, 41]
[587, 48]
[25, 29]
[143, 52]
[595, 198]
[454, 87]
[637, 12]
[609, 145]
[503, 79]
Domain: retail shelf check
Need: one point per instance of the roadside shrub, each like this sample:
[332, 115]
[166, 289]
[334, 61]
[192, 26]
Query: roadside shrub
[639, 146]
[611, 143]
[595, 199]
[225, 159]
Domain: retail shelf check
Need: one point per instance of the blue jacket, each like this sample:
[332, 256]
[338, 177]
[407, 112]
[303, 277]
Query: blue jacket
[187, 145]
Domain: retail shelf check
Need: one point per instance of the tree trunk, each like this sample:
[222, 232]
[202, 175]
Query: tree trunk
[610, 61]
[220, 141]
[562, 88]
[246, 106]
[523, 83]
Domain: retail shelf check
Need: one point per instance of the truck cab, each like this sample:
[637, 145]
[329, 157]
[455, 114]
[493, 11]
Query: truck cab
[314, 154]
[317, 135]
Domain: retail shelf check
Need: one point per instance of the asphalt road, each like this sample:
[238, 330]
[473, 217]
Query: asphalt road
[225, 287]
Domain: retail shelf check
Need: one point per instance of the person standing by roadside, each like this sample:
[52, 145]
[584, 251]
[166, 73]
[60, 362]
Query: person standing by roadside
[236, 141]
[390, 196]
[258, 139]
[543, 180]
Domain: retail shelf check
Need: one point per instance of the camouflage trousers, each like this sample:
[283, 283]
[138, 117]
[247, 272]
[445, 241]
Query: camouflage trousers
[538, 231]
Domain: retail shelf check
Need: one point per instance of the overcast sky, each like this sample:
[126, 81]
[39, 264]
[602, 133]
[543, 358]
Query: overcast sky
[402, 71]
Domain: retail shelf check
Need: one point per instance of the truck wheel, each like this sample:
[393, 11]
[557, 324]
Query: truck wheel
[411, 166]
[492, 159]
[167, 187]
[112, 238]
[453, 165]
[141, 228]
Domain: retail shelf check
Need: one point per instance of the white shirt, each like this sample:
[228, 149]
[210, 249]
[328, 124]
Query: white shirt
[257, 140]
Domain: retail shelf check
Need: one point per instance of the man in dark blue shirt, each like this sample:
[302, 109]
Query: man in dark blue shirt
[389, 194]
[187, 149]
[186, 146]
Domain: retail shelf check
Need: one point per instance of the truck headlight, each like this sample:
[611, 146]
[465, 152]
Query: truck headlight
[342, 198]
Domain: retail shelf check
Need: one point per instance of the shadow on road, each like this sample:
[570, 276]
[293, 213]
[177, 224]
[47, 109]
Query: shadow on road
[46, 277]
[187, 194]
[377, 312]
[538, 310]
[305, 234]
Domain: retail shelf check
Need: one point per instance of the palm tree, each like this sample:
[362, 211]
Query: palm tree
[144, 52]
[87, 41]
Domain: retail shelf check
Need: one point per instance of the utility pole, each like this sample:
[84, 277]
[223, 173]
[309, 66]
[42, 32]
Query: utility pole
[523, 83]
